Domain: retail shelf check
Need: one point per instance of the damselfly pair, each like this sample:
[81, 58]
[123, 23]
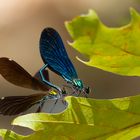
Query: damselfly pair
[55, 57]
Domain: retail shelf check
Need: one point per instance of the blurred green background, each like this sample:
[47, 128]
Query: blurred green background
[21, 23]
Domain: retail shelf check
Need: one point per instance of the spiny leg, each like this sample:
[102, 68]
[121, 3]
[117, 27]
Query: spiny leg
[54, 97]
[86, 91]
[70, 87]
[54, 105]
[84, 94]
[41, 104]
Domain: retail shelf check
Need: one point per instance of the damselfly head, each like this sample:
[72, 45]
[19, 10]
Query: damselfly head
[78, 84]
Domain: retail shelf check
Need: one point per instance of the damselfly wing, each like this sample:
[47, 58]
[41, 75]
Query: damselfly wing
[17, 75]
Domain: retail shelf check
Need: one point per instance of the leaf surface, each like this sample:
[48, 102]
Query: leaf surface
[115, 50]
[84, 119]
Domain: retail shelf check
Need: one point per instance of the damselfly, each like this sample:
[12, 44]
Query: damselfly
[55, 57]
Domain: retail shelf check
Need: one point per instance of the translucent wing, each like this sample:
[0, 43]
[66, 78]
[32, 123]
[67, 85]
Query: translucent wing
[16, 75]
[54, 54]
[13, 105]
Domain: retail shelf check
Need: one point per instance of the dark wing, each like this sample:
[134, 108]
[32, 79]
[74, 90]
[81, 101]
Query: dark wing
[45, 74]
[13, 105]
[54, 54]
[15, 74]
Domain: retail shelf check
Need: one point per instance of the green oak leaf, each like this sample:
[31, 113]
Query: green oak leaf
[84, 119]
[115, 50]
